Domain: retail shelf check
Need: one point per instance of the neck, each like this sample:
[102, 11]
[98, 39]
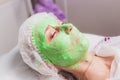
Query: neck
[81, 71]
[84, 66]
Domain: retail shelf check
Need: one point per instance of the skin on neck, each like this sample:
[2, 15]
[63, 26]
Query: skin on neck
[84, 64]
[84, 69]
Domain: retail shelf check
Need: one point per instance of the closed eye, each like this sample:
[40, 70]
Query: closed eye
[52, 36]
[51, 33]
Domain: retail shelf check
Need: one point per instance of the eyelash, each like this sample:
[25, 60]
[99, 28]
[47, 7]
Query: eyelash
[56, 30]
[53, 34]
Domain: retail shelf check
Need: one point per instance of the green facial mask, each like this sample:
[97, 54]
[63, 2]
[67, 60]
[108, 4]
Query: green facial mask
[66, 49]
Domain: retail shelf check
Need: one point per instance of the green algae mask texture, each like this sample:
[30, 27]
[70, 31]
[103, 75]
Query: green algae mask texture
[66, 49]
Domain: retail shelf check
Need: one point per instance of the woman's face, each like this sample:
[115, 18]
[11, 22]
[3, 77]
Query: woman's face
[60, 44]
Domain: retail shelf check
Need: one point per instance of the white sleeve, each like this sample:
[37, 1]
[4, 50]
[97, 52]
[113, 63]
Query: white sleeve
[107, 46]
[110, 46]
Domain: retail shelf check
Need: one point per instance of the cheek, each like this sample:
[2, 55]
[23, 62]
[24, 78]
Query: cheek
[75, 39]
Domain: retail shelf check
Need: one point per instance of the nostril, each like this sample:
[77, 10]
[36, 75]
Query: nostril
[69, 30]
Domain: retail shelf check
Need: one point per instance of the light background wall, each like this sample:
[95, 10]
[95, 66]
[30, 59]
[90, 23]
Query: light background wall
[12, 14]
[3, 1]
[94, 16]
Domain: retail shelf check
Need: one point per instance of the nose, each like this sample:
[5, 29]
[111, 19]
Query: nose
[66, 27]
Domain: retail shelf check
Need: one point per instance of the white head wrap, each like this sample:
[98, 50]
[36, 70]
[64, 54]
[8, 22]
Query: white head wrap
[30, 54]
